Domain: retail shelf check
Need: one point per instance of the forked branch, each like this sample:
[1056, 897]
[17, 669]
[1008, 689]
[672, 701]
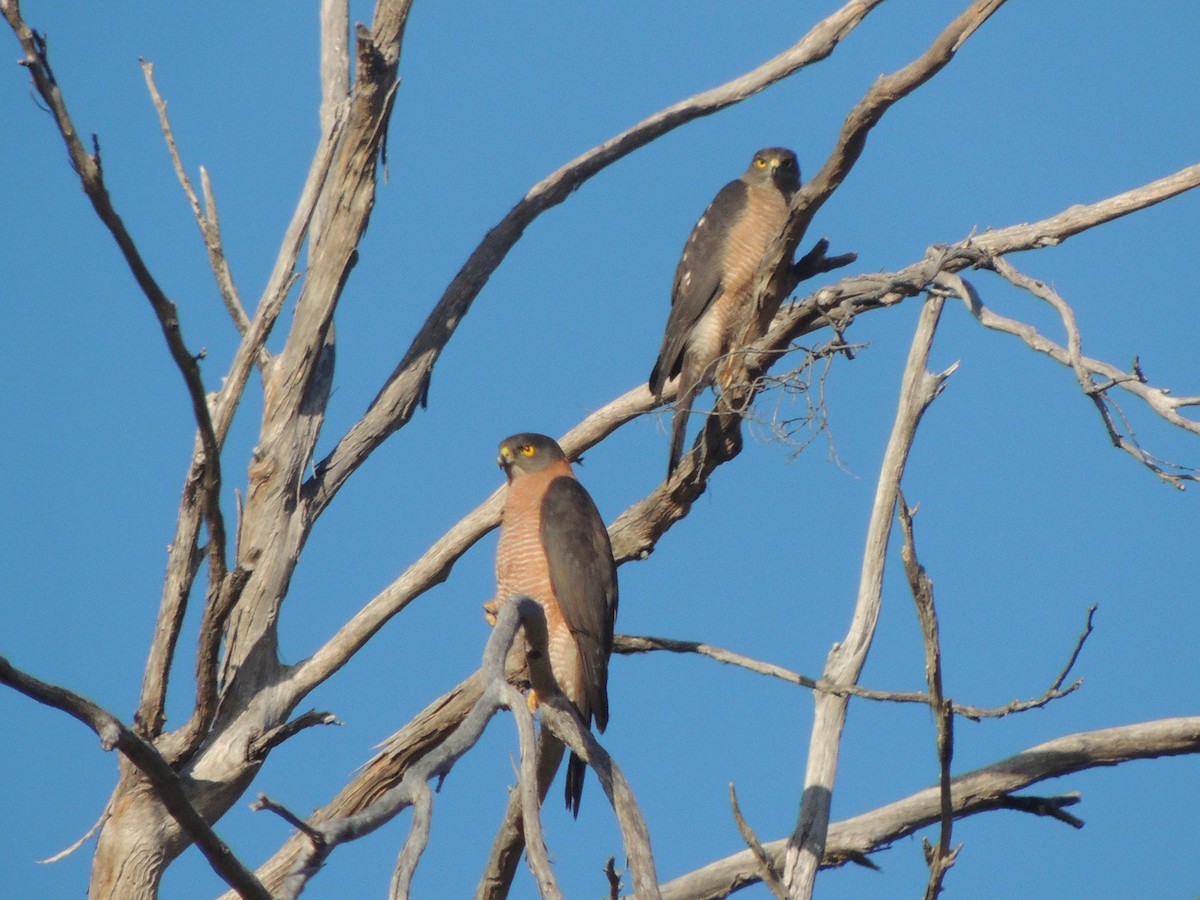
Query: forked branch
[206, 219]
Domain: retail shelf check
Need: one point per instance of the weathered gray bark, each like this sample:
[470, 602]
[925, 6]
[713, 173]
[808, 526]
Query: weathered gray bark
[140, 838]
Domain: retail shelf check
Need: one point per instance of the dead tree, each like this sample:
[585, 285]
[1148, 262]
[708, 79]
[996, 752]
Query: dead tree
[237, 564]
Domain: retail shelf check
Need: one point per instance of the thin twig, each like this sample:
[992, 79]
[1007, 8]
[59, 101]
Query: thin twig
[266, 803]
[1079, 642]
[634, 644]
[67, 851]
[770, 874]
[613, 877]
[265, 742]
[209, 227]
[942, 857]
[1051, 807]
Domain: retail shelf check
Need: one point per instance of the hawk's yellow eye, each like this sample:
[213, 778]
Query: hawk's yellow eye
[760, 162]
[527, 450]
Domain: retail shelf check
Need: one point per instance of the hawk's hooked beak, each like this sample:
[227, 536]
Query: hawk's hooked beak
[505, 458]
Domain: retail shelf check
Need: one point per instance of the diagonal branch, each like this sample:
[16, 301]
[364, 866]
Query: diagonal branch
[867, 113]
[166, 783]
[563, 720]
[633, 644]
[769, 874]
[862, 293]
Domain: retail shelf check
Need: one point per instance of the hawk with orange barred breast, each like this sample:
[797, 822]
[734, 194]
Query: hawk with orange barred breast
[554, 548]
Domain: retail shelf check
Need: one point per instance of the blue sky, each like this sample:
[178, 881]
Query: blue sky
[1028, 515]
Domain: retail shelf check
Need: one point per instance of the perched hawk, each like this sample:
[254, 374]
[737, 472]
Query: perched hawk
[554, 548]
[712, 301]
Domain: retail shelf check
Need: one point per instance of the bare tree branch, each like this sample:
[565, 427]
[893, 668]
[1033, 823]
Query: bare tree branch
[1051, 807]
[114, 735]
[509, 843]
[1087, 370]
[982, 790]
[276, 736]
[941, 857]
[210, 229]
[856, 295]
[335, 84]
[634, 644]
[766, 868]
[91, 176]
[614, 878]
[278, 518]
[560, 717]
[203, 485]
[87, 836]
[918, 390]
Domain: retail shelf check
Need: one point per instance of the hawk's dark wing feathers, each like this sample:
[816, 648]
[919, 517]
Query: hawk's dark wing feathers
[704, 258]
[584, 578]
